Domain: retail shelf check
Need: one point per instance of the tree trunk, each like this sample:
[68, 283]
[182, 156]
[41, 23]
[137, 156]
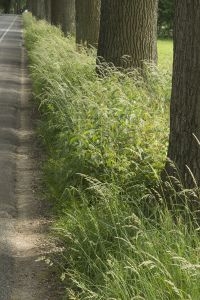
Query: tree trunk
[128, 31]
[29, 5]
[17, 6]
[41, 9]
[87, 22]
[63, 14]
[184, 145]
[41, 14]
[35, 5]
[47, 4]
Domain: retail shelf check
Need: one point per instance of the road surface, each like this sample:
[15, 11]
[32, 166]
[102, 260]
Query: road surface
[22, 236]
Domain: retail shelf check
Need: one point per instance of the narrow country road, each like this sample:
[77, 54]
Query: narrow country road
[22, 235]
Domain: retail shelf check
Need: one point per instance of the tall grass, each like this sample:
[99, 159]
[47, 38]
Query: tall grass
[106, 141]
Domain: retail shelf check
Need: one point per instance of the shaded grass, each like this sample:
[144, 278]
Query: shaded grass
[106, 141]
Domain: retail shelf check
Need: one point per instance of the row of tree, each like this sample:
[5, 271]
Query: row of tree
[128, 28]
[12, 6]
[116, 28]
[124, 31]
[80, 17]
[43, 10]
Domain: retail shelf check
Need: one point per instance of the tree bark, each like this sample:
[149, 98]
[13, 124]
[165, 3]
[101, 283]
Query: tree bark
[35, 5]
[47, 4]
[63, 14]
[29, 5]
[128, 31]
[184, 145]
[41, 9]
[87, 22]
[41, 14]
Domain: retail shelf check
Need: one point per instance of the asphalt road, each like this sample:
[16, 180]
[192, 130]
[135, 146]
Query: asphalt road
[22, 226]
[10, 63]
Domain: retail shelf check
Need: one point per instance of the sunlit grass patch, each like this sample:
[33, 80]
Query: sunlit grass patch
[106, 141]
[165, 53]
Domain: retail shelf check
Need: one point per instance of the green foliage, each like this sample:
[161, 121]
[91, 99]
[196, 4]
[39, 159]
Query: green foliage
[114, 254]
[105, 128]
[8, 5]
[165, 18]
[106, 141]
[5, 4]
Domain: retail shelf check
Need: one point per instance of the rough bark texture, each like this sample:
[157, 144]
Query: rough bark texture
[29, 5]
[87, 22]
[41, 9]
[128, 32]
[47, 4]
[184, 149]
[35, 5]
[63, 14]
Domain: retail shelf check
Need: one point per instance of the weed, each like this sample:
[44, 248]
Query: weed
[106, 140]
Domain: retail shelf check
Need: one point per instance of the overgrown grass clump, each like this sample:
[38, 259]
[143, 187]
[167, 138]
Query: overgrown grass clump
[106, 141]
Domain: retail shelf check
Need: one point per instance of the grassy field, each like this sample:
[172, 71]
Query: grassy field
[165, 53]
[106, 141]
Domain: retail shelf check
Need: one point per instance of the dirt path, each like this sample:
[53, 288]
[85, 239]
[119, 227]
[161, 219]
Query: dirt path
[22, 226]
